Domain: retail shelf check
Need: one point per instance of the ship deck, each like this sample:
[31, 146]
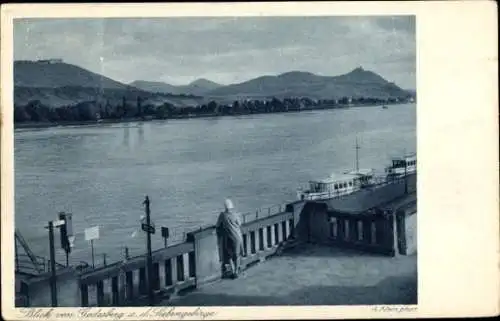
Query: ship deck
[314, 275]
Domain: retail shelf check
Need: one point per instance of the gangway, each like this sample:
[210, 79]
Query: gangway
[38, 266]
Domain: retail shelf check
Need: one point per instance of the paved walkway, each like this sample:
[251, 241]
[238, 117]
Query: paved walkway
[315, 275]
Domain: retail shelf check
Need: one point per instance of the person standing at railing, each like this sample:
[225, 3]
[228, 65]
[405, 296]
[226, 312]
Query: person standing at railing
[229, 230]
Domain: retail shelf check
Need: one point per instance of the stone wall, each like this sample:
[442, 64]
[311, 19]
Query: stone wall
[407, 231]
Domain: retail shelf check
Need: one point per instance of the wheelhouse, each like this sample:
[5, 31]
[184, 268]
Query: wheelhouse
[402, 165]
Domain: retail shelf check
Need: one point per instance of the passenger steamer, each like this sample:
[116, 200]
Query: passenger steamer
[349, 182]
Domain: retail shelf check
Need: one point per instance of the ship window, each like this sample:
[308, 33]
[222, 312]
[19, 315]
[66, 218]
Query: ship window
[345, 184]
[350, 183]
[336, 186]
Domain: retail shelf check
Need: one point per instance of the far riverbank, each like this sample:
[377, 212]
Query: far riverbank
[39, 125]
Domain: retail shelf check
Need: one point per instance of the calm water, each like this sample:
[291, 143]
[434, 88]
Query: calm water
[187, 167]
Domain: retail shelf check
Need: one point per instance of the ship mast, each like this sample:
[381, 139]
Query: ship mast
[357, 158]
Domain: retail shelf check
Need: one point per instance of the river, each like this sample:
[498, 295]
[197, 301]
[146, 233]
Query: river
[188, 167]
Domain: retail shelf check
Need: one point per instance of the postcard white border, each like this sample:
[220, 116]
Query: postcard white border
[457, 129]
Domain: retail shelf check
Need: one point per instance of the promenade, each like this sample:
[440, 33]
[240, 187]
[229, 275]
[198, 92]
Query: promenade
[314, 275]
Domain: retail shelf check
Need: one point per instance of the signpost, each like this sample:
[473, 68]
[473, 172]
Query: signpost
[150, 229]
[91, 234]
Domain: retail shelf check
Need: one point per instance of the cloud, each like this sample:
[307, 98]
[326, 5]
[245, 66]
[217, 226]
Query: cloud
[226, 50]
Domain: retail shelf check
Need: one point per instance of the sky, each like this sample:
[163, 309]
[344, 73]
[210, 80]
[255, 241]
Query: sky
[224, 49]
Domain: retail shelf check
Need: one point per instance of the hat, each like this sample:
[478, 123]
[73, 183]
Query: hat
[228, 204]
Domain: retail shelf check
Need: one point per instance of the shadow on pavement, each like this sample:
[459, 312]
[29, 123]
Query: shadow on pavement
[392, 290]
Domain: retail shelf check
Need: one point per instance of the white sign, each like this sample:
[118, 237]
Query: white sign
[58, 223]
[92, 233]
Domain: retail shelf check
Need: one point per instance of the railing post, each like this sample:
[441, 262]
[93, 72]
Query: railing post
[115, 291]
[168, 272]
[136, 281]
[100, 293]
[206, 257]
[84, 292]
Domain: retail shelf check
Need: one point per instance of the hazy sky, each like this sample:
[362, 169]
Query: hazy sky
[225, 50]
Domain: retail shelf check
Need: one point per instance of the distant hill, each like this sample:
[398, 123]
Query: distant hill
[155, 86]
[357, 83]
[198, 87]
[55, 83]
[46, 74]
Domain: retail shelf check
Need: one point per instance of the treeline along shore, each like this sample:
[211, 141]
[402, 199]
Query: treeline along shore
[36, 114]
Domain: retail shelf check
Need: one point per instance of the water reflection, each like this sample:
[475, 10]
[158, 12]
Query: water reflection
[141, 132]
[133, 136]
[126, 136]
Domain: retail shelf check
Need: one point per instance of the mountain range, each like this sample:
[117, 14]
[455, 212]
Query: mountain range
[56, 83]
[357, 83]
